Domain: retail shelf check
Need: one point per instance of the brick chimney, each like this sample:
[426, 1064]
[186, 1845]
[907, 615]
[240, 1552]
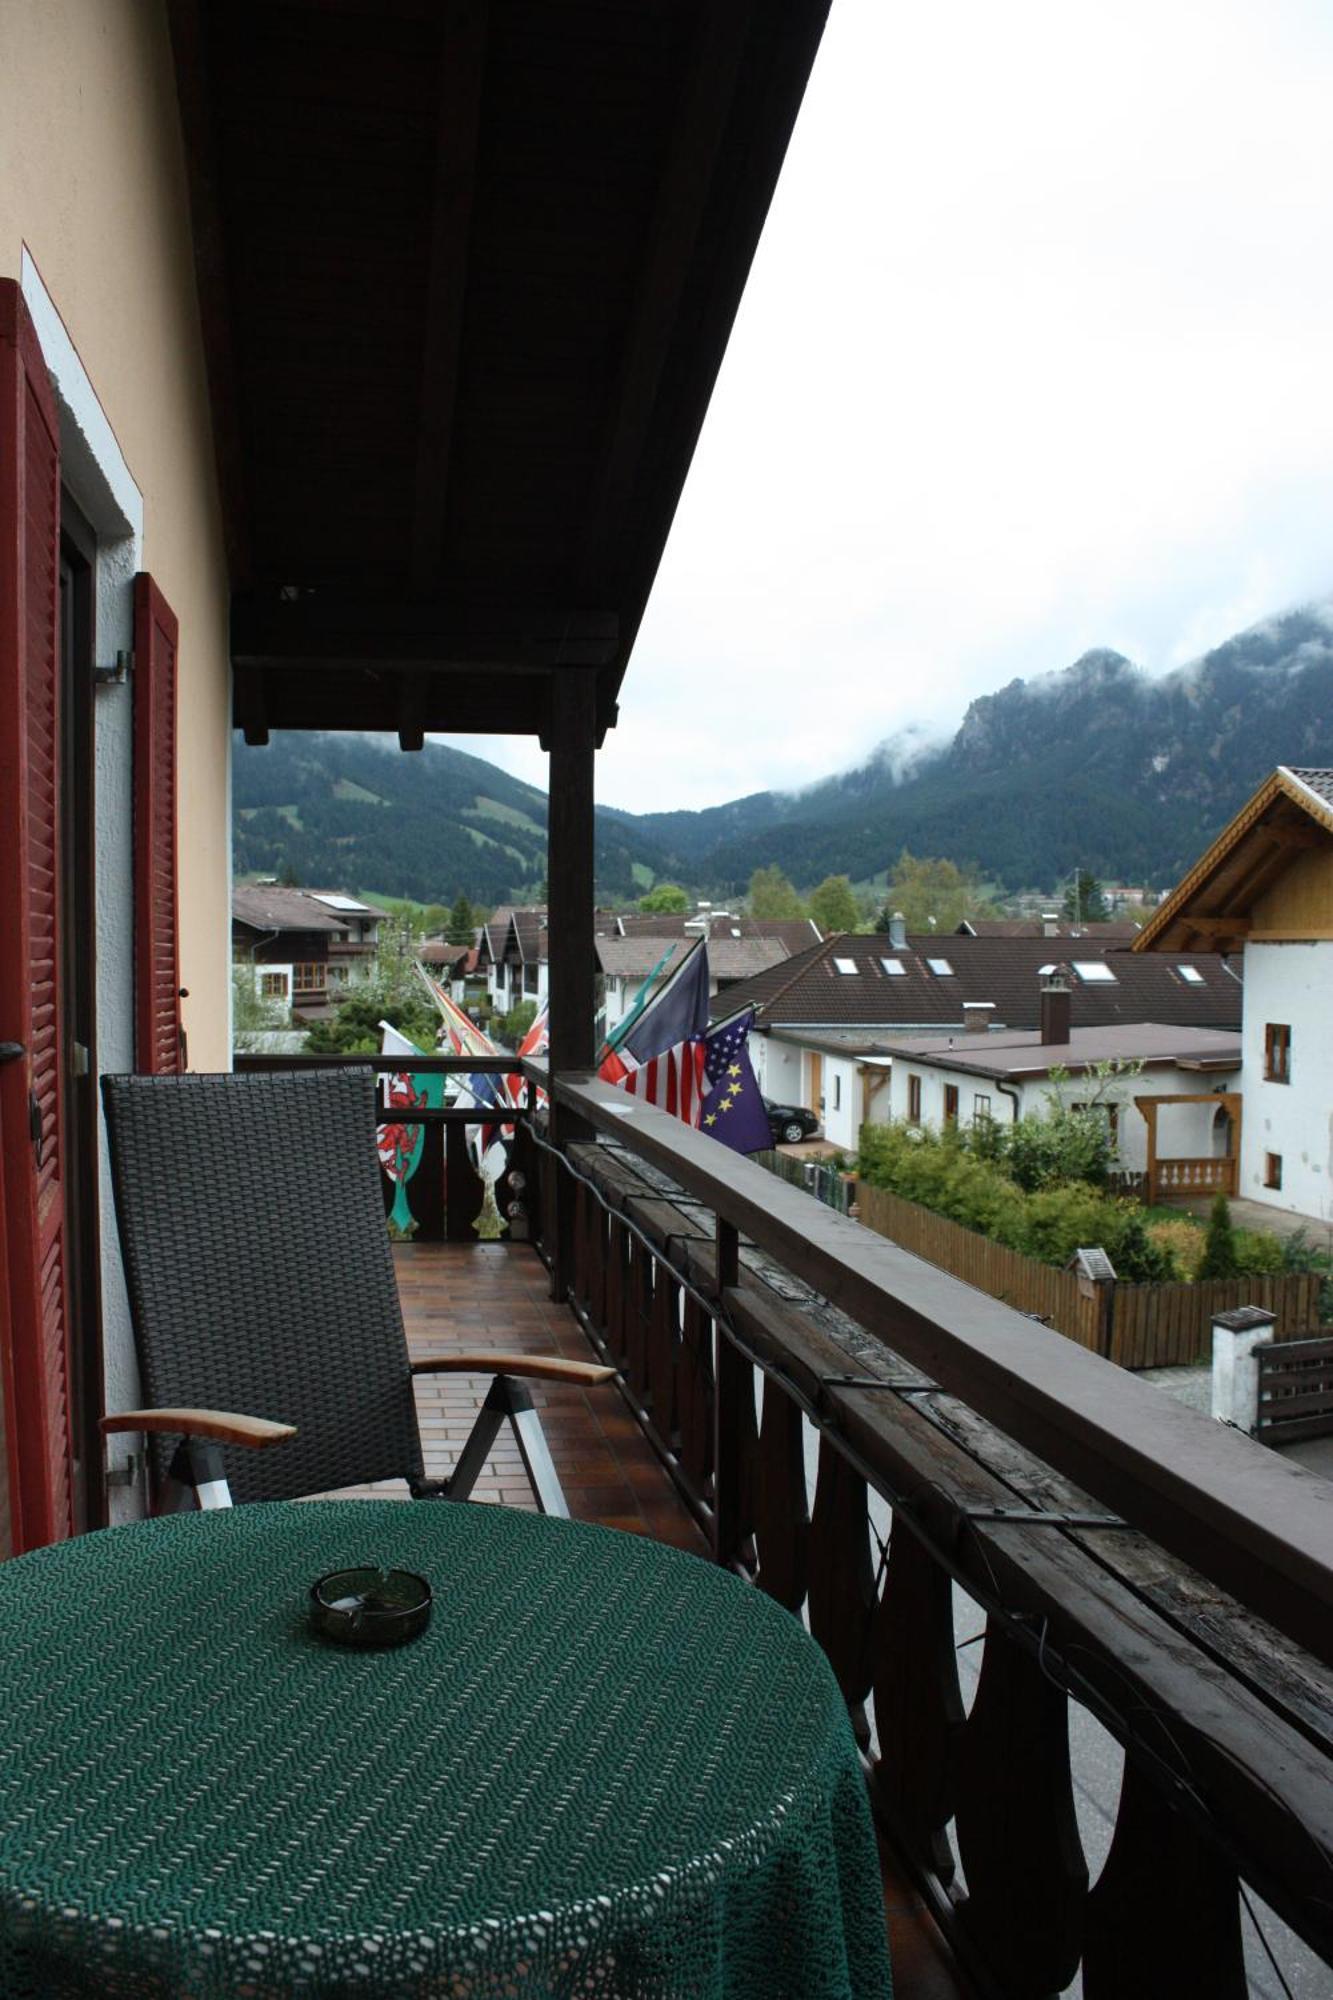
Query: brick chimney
[898, 931]
[1050, 923]
[1055, 1005]
[976, 1016]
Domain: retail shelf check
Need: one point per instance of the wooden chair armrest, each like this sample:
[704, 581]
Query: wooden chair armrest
[224, 1425]
[542, 1367]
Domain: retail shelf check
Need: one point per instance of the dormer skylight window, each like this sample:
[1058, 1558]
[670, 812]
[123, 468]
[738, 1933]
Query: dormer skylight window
[894, 967]
[1190, 974]
[940, 967]
[1094, 972]
[846, 966]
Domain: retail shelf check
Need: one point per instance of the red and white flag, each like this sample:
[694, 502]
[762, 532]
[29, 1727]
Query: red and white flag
[675, 1081]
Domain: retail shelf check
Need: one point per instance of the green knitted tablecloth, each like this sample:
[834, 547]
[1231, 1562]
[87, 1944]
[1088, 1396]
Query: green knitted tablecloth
[607, 1771]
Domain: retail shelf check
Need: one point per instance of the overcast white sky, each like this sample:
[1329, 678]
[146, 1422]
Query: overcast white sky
[1036, 355]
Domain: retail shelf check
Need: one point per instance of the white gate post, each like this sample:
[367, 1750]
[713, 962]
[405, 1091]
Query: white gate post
[1236, 1334]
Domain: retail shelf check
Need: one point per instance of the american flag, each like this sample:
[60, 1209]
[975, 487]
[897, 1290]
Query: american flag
[675, 1081]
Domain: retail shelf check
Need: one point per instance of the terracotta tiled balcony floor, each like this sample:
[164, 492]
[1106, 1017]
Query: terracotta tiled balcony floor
[495, 1295]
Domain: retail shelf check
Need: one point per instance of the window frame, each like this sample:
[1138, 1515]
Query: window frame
[1277, 1052]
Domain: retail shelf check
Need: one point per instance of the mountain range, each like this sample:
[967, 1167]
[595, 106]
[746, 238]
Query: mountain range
[1098, 766]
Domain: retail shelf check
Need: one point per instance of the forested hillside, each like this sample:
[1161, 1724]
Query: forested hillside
[1096, 766]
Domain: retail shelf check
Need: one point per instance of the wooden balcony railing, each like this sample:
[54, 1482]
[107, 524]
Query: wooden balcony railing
[865, 1437]
[1206, 1175]
[873, 1443]
[443, 1196]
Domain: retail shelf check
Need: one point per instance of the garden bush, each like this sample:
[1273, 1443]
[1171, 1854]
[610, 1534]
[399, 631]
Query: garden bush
[949, 1175]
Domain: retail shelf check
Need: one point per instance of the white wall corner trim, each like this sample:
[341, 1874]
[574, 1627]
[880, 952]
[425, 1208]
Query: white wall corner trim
[91, 458]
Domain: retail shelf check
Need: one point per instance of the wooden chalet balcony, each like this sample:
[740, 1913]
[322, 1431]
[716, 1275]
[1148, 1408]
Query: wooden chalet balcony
[1085, 1635]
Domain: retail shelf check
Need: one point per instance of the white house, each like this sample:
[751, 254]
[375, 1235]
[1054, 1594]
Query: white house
[1004, 1077]
[826, 1018]
[1264, 891]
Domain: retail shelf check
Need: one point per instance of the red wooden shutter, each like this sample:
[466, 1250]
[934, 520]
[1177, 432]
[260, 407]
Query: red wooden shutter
[159, 1039]
[31, 1133]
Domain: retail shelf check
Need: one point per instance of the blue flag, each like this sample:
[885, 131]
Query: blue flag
[678, 1012]
[733, 1110]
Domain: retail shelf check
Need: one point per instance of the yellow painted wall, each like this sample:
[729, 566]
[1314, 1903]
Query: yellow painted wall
[92, 182]
[1300, 902]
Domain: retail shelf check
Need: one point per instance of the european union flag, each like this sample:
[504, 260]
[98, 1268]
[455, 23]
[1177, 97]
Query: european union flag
[733, 1110]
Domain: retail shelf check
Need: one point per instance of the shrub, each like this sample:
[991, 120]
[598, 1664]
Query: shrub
[1066, 1146]
[1182, 1241]
[1257, 1253]
[945, 1173]
[1219, 1247]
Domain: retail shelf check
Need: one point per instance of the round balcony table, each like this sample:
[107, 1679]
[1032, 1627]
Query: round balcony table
[607, 1771]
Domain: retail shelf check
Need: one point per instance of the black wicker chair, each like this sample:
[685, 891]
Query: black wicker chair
[260, 1278]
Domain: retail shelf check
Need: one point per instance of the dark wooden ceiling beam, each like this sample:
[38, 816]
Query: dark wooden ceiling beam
[682, 200]
[463, 62]
[1218, 927]
[190, 57]
[408, 705]
[330, 628]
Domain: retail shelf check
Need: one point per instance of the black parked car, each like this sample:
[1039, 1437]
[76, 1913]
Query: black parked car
[790, 1122]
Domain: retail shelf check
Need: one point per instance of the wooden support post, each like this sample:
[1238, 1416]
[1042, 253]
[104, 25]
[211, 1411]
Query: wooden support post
[572, 743]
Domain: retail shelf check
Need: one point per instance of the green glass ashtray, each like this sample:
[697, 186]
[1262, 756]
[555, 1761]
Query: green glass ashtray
[370, 1607]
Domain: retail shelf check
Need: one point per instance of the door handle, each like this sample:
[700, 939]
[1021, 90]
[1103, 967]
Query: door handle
[12, 1052]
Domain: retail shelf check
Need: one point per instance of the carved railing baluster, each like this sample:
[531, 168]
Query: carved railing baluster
[582, 1277]
[918, 1706]
[463, 1191]
[842, 1578]
[1164, 1918]
[638, 1305]
[1018, 1839]
[663, 1338]
[694, 1397]
[595, 1253]
[616, 1290]
[782, 1518]
[735, 1453]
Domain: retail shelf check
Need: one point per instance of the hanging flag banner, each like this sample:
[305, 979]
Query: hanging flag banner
[672, 1059]
[400, 1145]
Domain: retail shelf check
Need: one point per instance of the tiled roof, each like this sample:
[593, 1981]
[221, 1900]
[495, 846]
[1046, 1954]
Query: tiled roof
[438, 952]
[797, 934]
[810, 990]
[1113, 932]
[1315, 780]
[1153, 1043]
[728, 957]
[273, 908]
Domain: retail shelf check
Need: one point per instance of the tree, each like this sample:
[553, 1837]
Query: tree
[462, 922]
[665, 898]
[435, 919]
[354, 1027]
[772, 897]
[833, 906]
[1219, 1245]
[1084, 902]
[931, 894]
[251, 1014]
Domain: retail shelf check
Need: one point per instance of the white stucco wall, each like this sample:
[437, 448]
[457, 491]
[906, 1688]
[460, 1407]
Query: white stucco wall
[1291, 984]
[1185, 1130]
[841, 1084]
[782, 1069]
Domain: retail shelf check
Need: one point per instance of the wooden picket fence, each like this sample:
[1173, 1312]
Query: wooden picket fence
[1139, 1326]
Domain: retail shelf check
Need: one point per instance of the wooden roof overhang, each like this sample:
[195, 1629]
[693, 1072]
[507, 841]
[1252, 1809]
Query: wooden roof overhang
[1210, 909]
[467, 270]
